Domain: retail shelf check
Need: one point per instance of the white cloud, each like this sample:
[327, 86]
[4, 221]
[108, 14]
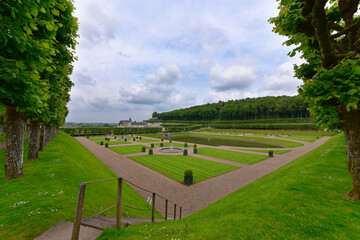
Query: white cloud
[236, 76]
[282, 80]
[157, 87]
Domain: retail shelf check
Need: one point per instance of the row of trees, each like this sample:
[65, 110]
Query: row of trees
[244, 109]
[37, 40]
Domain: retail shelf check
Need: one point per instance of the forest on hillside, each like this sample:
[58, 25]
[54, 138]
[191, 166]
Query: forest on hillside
[243, 109]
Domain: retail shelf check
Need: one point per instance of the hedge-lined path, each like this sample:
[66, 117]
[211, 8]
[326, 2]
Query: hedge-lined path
[195, 197]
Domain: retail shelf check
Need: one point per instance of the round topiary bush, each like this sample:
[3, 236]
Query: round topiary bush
[140, 138]
[106, 145]
[150, 151]
[185, 145]
[188, 177]
[161, 144]
[170, 140]
[271, 153]
[143, 149]
[152, 145]
[101, 143]
[185, 152]
[195, 145]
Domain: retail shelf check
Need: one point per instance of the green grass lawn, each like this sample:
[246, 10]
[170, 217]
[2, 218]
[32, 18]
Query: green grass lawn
[301, 200]
[147, 140]
[113, 142]
[175, 166]
[168, 144]
[128, 149]
[269, 132]
[279, 152]
[246, 158]
[47, 193]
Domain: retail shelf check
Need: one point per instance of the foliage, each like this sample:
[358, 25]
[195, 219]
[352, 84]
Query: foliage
[244, 109]
[188, 173]
[48, 191]
[326, 37]
[107, 131]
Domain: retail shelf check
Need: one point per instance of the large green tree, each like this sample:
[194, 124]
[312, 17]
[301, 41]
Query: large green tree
[29, 33]
[326, 34]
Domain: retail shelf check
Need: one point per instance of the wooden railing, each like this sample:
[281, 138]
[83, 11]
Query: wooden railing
[80, 205]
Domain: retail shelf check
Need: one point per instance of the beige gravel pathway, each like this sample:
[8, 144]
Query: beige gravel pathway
[199, 195]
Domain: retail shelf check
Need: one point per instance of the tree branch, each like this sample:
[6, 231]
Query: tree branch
[334, 26]
[353, 27]
[320, 24]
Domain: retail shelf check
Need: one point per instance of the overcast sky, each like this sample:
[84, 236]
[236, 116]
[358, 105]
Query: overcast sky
[137, 57]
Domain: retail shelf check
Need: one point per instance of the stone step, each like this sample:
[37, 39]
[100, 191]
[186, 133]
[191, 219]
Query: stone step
[90, 228]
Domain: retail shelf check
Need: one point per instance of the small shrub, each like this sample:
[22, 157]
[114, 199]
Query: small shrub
[134, 139]
[271, 153]
[137, 137]
[140, 138]
[115, 137]
[161, 144]
[106, 145]
[162, 139]
[150, 151]
[195, 145]
[87, 137]
[125, 139]
[185, 145]
[143, 149]
[170, 140]
[152, 145]
[195, 150]
[188, 177]
[185, 152]
[101, 143]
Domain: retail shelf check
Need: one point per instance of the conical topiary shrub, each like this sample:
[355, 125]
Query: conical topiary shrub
[185, 152]
[143, 149]
[271, 153]
[195, 150]
[150, 151]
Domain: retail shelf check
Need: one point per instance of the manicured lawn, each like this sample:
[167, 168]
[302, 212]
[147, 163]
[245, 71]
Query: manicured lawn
[147, 140]
[113, 142]
[301, 200]
[269, 132]
[175, 166]
[240, 157]
[167, 144]
[279, 152]
[47, 193]
[128, 149]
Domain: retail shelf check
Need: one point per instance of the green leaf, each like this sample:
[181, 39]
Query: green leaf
[352, 92]
[34, 11]
[45, 45]
[55, 12]
[49, 27]
[42, 10]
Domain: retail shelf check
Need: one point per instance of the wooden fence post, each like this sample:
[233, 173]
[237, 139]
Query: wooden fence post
[153, 209]
[118, 212]
[174, 211]
[78, 214]
[180, 213]
[166, 209]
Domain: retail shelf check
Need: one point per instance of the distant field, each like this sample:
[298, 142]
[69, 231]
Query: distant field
[233, 156]
[128, 149]
[174, 166]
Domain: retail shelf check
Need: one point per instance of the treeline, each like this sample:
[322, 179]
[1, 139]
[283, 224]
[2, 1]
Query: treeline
[93, 131]
[38, 40]
[244, 109]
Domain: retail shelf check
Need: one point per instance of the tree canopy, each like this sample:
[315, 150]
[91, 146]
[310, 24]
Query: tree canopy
[243, 109]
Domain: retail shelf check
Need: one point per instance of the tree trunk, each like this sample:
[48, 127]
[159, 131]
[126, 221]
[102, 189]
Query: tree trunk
[1, 129]
[47, 133]
[14, 124]
[34, 140]
[352, 135]
[42, 138]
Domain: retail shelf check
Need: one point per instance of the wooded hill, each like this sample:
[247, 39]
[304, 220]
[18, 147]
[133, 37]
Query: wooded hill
[243, 109]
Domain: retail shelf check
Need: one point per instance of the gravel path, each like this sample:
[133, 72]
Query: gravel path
[199, 195]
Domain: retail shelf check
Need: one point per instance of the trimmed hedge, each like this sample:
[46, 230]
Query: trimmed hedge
[303, 126]
[93, 131]
[182, 128]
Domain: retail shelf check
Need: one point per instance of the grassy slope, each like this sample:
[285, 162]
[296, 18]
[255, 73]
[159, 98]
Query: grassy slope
[302, 200]
[47, 193]
[240, 157]
[128, 149]
[175, 166]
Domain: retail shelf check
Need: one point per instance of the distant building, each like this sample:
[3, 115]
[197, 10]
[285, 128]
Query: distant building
[130, 123]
